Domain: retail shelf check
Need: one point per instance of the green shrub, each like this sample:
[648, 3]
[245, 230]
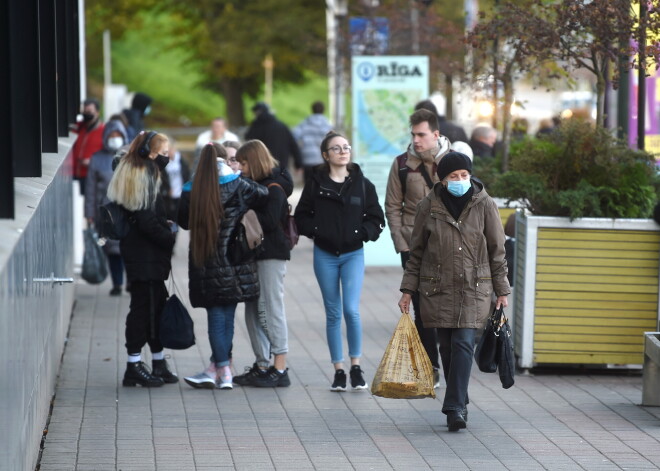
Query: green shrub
[580, 171]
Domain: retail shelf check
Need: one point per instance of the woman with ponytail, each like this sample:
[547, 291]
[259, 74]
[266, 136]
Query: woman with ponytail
[146, 251]
[211, 207]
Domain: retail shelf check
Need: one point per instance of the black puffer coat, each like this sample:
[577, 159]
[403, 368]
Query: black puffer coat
[219, 282]
[339, 222]
[273, 216]
[147, 248]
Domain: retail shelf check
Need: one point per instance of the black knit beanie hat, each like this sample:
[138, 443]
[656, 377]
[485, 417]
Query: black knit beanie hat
[453, 161]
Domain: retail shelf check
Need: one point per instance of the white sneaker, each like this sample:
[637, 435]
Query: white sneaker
[224, 378]
[436, 379]
[201, 381]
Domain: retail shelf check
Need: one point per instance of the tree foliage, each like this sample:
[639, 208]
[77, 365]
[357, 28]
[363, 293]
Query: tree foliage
[507, 44]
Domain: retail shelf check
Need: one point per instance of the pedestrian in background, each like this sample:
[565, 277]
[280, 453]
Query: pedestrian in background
[178, 173]
[265, 318]
[99, 175]
[89, 140]
[275, 134]
[146, 251]
[211, 206]
[140, 107]
[309, 134]
[457, 261]
[482, 142]
[412, 176]
[339, 210]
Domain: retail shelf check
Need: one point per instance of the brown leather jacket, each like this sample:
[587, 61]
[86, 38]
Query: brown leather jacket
[457, 264]
[399, 208]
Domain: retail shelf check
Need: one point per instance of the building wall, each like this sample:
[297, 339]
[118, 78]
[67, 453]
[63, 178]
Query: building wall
[34, 316]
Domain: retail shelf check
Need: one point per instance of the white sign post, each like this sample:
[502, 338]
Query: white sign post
[385, 91]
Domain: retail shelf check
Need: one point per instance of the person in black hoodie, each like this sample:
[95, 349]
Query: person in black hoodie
[140, 107]
[265, 318]
[146, 251]
[339, 210]
[275, 134]
[211, 207]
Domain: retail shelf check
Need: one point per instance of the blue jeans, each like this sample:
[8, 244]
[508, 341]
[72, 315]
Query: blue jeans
[456, 352]
[340, 279]
[221, 332]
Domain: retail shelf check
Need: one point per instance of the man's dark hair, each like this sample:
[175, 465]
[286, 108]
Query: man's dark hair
[318, 107]
[421, 115]
[92, 101]
[426, 105]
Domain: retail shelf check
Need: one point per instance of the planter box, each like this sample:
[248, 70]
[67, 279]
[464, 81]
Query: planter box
[651, 381]
[586, 290]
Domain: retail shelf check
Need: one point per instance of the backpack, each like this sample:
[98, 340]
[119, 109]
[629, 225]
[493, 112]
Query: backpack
[404, 169]
[289, 227]
[114, 221]
[245, 243]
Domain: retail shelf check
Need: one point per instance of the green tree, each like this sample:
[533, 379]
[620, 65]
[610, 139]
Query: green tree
[230, 38]
[515, 34]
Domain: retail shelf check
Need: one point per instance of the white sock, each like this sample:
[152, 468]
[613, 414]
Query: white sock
[134, 358]
[281, 371]
[158, 356]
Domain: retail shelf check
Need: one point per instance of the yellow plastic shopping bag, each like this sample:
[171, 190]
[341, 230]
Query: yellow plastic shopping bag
[405, 371]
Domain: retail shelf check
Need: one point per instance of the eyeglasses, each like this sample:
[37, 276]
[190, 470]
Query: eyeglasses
[339, 149]
[232, 160]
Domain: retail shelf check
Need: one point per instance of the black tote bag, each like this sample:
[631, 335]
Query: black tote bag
[487, 352]
[177, 330]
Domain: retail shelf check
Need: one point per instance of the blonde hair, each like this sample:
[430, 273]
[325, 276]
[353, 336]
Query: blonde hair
[136, 181]
[261, 163]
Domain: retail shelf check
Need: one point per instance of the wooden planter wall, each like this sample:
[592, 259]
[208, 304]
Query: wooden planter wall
[584, 291]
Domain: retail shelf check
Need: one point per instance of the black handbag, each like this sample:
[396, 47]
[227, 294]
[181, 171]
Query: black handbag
[495, 349]
[176, 326]
[486, 353]
[94, 267]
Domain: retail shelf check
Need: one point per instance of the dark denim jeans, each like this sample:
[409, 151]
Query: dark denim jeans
[456, 352]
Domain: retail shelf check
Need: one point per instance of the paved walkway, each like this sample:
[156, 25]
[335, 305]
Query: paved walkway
[546, 421]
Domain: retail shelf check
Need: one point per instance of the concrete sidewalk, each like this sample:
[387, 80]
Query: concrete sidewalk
[545, 421]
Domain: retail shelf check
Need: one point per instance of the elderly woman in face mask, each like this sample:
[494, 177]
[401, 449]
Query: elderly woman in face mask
[457, 264]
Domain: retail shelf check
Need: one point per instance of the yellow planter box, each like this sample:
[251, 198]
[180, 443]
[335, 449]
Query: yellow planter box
[585, 291]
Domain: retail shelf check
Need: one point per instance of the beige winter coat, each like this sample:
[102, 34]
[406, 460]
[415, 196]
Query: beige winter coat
[400, 208]
[456, 265]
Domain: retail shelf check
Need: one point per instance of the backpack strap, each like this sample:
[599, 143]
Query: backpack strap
[403, 171]
[425, 174]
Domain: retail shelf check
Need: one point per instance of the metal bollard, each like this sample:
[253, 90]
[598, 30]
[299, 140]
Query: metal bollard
[651, 378]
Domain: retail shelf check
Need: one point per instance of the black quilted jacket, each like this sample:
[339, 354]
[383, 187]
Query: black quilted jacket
[219, 282]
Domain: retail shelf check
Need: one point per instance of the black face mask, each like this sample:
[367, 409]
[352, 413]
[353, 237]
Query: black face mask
[87, 117]
[162, 161]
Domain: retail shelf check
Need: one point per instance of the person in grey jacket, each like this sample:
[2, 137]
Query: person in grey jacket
[309, 134]
[99, 174]
[457, 262]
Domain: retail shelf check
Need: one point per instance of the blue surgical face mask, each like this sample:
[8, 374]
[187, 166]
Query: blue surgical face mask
[458, 187]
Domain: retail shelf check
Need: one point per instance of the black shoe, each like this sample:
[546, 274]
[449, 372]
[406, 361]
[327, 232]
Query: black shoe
[339, 384]
[271, 379]
[248, 378]
[115, 291]
[137, 373]
[464, 413]
[357, 380]
[455, 420]
[161, 370]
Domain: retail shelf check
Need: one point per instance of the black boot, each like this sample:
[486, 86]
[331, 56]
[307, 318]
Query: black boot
[137, 373]
[161, 370]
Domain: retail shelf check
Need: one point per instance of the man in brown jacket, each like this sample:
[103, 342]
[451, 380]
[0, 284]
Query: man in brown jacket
[411, 178]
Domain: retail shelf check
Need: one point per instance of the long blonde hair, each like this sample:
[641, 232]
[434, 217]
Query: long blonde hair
[136, 181]
[206, 209]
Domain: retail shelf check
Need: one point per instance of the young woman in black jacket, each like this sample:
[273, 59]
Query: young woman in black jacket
[146, 251]
[210, 208]
[339, 209]
[265, 317]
